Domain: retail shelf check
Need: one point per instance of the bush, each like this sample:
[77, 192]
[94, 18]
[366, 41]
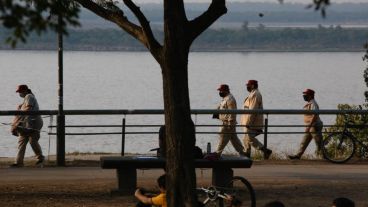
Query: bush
[359, 122]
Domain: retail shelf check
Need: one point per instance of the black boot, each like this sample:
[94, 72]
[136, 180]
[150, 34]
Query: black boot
[267, 152]
[294, 157]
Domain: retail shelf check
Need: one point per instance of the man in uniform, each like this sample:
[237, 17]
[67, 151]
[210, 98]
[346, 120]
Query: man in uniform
[313, 124]
[228, 128]
[27, 127]
[253, 123]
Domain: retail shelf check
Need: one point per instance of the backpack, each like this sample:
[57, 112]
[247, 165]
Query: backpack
[212, 156]
[161, 151]
[198, 154]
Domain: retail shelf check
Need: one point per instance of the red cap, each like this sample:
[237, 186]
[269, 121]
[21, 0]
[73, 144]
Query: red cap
[252, 82]
[21, 88]
[223, 87]
[308, 92]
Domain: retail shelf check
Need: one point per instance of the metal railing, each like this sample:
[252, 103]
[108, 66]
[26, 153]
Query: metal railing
[195, 112]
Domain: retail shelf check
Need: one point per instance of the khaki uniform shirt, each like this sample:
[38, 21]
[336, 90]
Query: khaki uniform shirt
[31, 121]
[253, 101]
[311, 105]
[228, 102]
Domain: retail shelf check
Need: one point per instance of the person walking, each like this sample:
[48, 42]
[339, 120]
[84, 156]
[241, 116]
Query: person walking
[313, 124]
[228, 128]
[253, 123]
[27, 127]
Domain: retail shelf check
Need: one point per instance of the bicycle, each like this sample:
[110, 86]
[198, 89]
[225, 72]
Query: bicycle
[239, 192]
[339, 147]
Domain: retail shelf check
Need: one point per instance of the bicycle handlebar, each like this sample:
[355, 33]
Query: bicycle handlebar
[213, 192]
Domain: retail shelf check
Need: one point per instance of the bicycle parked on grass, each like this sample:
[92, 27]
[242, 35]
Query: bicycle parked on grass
[339, 147]
[238, 193]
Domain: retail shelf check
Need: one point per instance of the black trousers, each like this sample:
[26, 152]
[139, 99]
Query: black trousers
[140, 204]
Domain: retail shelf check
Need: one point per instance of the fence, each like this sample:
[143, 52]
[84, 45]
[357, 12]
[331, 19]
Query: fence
[123, 127]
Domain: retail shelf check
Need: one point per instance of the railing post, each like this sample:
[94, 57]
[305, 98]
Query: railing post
[60, 141]
[123, 138]
[265, 135]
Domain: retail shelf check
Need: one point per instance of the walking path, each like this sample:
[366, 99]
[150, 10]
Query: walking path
[279, 172]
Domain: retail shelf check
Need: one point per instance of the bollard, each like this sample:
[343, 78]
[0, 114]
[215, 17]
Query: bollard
[208, 148]
[123, 138]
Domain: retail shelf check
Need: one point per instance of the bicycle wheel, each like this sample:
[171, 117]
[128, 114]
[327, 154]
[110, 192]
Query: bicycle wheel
[338, 147]
[241, 192]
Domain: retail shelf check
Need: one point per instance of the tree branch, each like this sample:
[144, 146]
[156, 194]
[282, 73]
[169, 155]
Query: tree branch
[116, 16]
[205, 20]
[152, 44]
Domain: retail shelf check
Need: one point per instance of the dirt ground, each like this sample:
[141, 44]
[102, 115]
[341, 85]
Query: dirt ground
[97, 193]
[294, 184]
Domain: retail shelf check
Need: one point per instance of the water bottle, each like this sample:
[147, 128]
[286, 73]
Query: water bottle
[208, 148]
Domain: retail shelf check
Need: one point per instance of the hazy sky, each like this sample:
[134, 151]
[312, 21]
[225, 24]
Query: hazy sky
[287, 1]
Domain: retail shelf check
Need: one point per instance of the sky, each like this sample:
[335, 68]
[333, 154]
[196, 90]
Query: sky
[286, 1]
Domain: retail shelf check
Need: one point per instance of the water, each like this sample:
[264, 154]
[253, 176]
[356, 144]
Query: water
[132, 80]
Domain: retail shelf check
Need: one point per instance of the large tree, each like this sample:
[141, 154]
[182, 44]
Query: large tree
[171, 55]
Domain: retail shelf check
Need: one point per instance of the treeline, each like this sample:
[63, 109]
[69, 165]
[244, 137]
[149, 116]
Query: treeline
[294, 39]
[287, 13]
[245, 39]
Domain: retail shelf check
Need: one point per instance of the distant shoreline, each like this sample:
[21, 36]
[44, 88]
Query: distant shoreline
[193, 50]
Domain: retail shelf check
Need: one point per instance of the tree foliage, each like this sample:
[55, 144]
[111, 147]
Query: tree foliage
[26, 16]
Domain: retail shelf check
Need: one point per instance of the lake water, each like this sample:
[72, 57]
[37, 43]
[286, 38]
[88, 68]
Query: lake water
[132, 80]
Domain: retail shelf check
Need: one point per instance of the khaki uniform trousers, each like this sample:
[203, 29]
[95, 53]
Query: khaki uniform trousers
[314, 133]
[32, 138]
[228, 133]
[251, 140]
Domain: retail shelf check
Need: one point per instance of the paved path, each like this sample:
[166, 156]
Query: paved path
[278, 172]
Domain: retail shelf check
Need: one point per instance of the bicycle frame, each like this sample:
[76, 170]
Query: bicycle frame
[213, 194]
[347, 132]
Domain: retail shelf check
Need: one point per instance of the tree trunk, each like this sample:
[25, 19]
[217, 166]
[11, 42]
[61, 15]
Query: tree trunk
[180, 133]
[180, 137]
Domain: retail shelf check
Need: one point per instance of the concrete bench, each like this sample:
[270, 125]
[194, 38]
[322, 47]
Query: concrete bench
[126, 168]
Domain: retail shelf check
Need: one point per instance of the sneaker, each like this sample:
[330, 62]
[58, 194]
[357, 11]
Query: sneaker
[294, 157]
[40, 162]
[15, 165]
[267, 154]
